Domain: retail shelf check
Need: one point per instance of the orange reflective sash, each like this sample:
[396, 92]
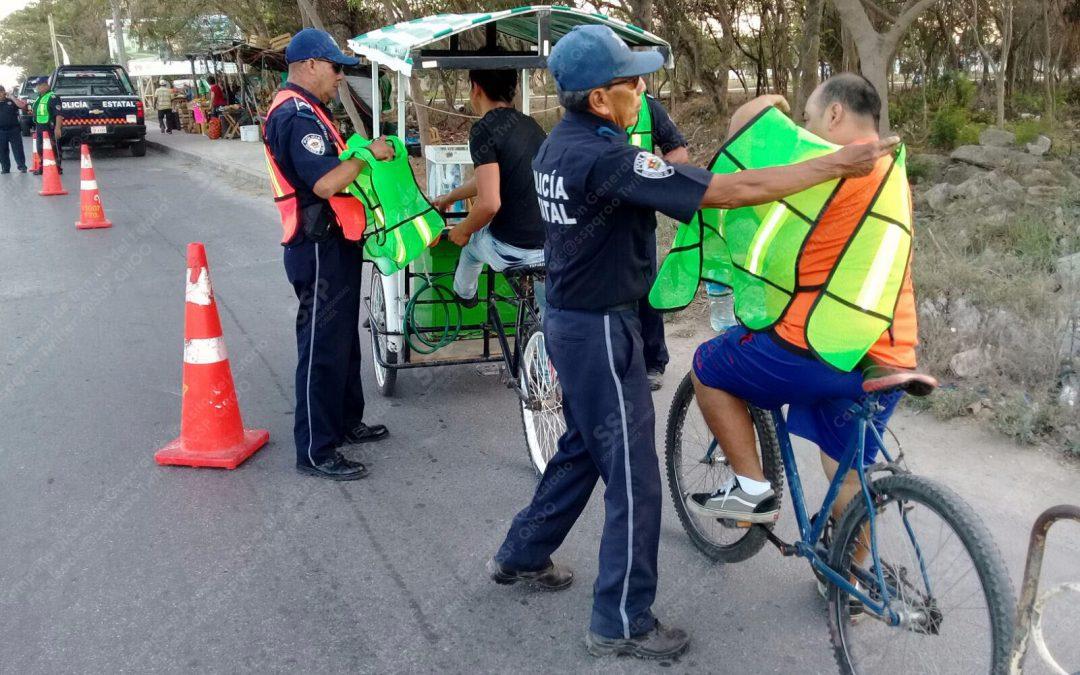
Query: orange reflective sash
[349, 211]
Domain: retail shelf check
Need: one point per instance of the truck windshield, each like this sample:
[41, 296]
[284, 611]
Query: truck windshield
[92, 83]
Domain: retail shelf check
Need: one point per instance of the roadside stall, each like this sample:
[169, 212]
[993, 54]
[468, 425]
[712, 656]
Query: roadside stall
[415, 321]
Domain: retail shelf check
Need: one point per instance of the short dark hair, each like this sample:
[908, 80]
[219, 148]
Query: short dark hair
[499, 85]
[211, 79]
[855, 93]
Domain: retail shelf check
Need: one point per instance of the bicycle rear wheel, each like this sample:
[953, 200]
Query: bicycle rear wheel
[945, 577]
[694, 464]
[541, 406]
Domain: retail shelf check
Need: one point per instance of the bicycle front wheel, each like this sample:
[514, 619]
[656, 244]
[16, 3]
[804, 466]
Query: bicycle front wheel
[945, 580]
[695, 463]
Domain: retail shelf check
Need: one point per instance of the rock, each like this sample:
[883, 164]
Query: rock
[989, 189]
[1040, 147]
[997, 138]
[939, 197]
[990, 157]
[964, 317]
[1046, 192]
[1070, 391]
[1068, 271]
[969, 363]
[1038, 177]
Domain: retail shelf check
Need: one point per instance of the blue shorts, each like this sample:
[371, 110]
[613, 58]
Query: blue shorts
[757, 369]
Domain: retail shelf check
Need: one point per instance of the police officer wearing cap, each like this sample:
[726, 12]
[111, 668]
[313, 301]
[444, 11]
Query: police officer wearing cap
[10, 132]
[324, 267]
[597, 197]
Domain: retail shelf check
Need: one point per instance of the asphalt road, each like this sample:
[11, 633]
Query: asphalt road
[109, 563]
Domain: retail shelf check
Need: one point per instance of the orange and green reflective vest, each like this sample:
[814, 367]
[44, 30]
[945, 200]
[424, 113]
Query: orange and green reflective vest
[756, 250]
[401, 221]
[350, 214]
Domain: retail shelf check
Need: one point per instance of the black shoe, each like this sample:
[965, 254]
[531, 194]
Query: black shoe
[365, 433]
[22, 169]
[60, 171]
[468, 303]
[337, 468]
[3, 172]
[658, 643]
[551, 578]
[36, 173]
[656, 378]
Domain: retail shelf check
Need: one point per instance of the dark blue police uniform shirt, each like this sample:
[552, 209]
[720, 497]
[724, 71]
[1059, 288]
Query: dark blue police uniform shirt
[666, 136]
[301, 144]
[9, 114]
[598, 195]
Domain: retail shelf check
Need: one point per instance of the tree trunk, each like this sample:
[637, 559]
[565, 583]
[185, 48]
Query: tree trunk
[1048, 68]
[809, 48]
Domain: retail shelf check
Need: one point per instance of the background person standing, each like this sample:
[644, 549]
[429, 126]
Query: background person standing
[163, 96]
[10, 133]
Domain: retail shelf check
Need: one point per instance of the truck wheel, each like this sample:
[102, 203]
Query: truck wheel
[138, 148]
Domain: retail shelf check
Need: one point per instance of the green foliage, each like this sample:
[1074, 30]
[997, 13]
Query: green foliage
[947, 125]
[24, 34]
[918, 169]
[1027, 130]
[969, 134]
[955, 89]
[1027, 102]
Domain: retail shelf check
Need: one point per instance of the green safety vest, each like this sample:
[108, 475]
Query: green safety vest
[756, 249]
[641, 134]
[401, 222]
[41, 107]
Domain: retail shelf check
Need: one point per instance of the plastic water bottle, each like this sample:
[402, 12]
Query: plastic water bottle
[721, 306]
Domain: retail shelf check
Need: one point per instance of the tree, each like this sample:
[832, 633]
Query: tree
[999, 65]
[809, 49]
[24, 34]
[876, 50]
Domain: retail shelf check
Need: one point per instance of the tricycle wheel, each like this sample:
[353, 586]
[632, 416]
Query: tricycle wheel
[385, 378]
[541, 406]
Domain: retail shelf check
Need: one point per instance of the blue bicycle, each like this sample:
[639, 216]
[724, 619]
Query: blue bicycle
[914, 581]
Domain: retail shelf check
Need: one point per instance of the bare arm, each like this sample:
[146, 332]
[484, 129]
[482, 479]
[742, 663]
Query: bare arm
[759, 186]
[466, 190]
[59, 126]
[485, 207]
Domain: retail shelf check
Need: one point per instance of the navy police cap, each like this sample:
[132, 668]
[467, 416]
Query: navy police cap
[311, 43]
[591, 56]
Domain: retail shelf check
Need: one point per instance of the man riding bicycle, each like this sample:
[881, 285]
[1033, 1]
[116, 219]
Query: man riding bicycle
[775, 368]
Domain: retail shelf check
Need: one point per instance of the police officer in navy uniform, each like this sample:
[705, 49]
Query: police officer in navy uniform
[10, 132]
[598, 195]
[324, 268]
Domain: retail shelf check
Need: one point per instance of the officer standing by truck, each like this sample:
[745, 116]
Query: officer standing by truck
[10, 133]
[598, 196]
[48, 118]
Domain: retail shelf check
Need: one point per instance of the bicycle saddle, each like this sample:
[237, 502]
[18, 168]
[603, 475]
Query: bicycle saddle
[525, 270]
[916, 384]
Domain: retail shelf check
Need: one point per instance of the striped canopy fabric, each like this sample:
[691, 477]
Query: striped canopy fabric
[395, 46]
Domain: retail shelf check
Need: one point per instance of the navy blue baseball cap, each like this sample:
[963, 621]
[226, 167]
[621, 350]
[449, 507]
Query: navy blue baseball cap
[311, 43]
[591, 56]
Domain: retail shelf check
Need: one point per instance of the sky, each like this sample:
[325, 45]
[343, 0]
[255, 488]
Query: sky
[7, 73]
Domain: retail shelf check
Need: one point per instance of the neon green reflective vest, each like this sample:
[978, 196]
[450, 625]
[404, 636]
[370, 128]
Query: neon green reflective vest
[756, 249]
[401, 222]
[641, 134]
[41, 107]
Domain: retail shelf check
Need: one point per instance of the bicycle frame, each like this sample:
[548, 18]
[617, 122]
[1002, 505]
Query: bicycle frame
[810, 532]
[525, 310]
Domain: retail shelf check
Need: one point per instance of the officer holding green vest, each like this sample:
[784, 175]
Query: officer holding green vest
[48, 118]
[655, 132]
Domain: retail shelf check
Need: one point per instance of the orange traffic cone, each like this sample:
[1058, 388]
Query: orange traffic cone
[37, 156]
[91, 212]
[50, 177]
[211, 431]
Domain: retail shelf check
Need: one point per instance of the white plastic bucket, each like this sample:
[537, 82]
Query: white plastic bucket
[249, 133]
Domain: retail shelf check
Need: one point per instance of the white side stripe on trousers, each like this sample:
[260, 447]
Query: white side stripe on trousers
[629, 484]
[311, 355]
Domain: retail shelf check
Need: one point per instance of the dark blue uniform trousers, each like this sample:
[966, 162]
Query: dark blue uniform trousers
[609, 435]
[329, 395]
[39, 133]
[652, 325]
[11, 136]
